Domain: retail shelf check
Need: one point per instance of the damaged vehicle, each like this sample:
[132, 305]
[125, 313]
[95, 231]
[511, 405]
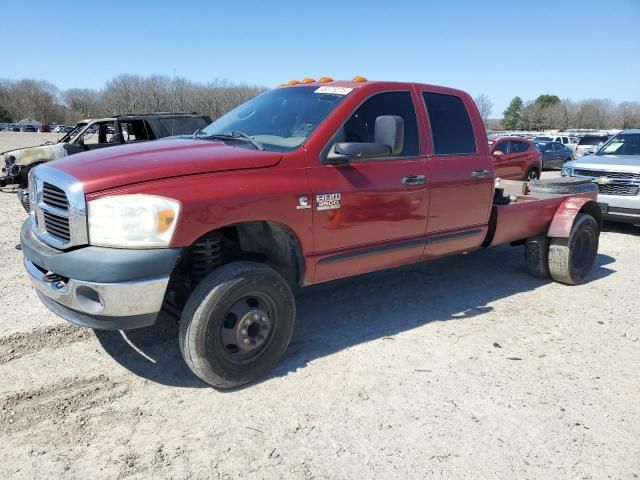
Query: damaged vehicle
[96, 134]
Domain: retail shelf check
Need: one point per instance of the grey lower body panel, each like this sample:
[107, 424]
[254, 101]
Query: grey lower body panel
[620, 208]
[101, 288]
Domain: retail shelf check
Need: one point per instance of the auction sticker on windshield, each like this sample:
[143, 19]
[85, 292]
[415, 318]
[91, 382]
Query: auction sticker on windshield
[334, 90]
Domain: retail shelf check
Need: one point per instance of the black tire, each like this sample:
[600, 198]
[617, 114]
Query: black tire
[571, 259]
[207, 324]
[532, 174]
[536, 254]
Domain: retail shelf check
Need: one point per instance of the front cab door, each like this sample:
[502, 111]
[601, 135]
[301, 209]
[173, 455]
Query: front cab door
[370, 214]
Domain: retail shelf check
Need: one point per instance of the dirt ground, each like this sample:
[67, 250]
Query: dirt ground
[464, 367]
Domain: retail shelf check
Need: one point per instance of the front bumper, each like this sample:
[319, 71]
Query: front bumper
[97, 287]
[621, 208]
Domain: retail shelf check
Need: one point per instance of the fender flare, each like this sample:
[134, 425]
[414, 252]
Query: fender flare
[568, 211]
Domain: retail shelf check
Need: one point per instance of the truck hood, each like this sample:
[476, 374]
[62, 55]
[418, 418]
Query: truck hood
[613, 163]
[128, 164]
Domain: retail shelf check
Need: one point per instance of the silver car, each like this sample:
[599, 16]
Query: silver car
[589, 144]
[615, 167]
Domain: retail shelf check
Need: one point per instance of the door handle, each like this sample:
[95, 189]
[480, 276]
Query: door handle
[480, 173]
[414, 180]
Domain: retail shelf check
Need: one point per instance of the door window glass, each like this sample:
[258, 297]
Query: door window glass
[450, 124]
[360, 128]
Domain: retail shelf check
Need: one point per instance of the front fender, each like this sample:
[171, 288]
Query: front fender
[567, 213]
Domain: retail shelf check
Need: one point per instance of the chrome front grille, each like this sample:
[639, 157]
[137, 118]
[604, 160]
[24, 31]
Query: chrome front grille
[618, 189]
[57, 226]
[613, 175]
[58, 208]
[54, 196]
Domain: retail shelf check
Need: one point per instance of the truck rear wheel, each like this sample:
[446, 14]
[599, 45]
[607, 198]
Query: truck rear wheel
[237, 324]
[571, 259]
[536, 254]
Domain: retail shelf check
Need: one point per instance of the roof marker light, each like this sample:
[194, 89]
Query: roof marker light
[308, 80]
[325, 79]
[359, 79]
[293, 82]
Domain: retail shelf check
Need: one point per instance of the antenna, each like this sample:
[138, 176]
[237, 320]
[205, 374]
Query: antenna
[173, 106]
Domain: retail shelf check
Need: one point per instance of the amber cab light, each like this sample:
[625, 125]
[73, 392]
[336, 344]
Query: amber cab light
[308, 80]
[359, 79]
[325, 79]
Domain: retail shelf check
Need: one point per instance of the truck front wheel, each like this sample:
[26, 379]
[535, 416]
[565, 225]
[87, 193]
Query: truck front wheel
[571, 259]
[237, 324]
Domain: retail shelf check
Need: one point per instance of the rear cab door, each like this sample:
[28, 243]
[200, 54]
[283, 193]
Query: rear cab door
[460, 173]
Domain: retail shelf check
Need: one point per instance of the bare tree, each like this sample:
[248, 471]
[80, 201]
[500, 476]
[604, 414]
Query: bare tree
[85, 101]
[485, 106]
[628, 115]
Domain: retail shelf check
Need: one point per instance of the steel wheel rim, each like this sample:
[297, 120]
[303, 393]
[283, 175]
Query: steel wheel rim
[247, 328]
[581, 253]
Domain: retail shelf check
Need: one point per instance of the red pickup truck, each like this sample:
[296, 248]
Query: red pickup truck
[310, 182]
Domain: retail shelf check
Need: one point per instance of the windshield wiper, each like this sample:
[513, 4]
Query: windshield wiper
[233, 135]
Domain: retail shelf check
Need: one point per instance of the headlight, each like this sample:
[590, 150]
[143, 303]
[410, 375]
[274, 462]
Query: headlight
[137, 221]
[566, 171]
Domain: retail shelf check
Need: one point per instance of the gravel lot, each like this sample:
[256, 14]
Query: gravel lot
[465, 367]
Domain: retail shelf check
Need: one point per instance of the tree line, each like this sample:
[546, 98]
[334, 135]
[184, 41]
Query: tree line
[550, 112]
[126, 93]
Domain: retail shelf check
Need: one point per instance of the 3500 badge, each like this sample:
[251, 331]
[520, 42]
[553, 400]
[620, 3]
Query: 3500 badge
[328, 201]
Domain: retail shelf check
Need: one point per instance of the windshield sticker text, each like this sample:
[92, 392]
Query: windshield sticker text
[334, 90]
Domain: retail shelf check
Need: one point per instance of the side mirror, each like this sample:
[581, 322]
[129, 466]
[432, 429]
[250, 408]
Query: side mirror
[498, 153]
[389, 141]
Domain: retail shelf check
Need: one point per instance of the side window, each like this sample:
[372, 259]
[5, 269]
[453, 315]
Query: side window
[360, 127]
[558, 146]
[503, 147]
[136, 130]
[450, 124]
[519, 147]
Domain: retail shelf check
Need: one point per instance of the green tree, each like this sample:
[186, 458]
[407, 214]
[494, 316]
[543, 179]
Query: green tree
[545, 101]
[511, 116]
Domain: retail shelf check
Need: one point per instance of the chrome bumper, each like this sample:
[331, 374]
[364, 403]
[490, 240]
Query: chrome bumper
[102, 306]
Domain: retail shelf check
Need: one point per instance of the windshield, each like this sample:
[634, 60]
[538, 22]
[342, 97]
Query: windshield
[281, 119]
[623, 144]
[592, 140]
[71, 136]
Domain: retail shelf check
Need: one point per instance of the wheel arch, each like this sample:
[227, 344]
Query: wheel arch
[269, 241]
[568, 211]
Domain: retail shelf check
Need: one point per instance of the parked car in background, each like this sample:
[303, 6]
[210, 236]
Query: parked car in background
[14, 127]
[28, 128]
[59, 129]
[554, 154]
[44, 128]
[68, 128]
[94, 134]
[564, 140]
[515, 158]
[589, 144]
[615, 168]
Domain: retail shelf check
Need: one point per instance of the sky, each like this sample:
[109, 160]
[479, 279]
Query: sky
[570, 48]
